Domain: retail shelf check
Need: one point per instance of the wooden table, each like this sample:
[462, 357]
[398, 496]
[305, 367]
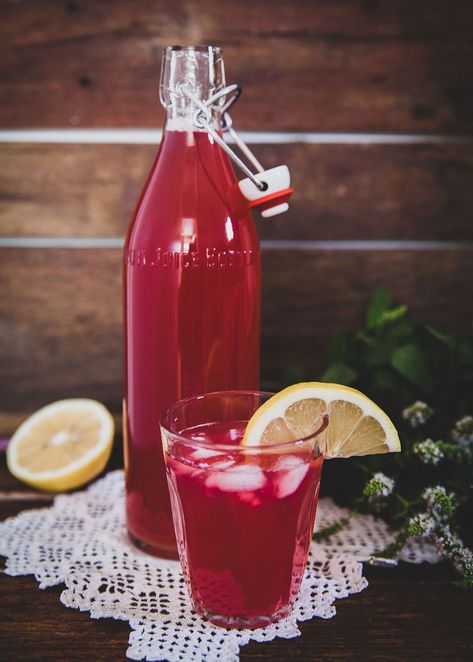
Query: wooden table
[407, 613]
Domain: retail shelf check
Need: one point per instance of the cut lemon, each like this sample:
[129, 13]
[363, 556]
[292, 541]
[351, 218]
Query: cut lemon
[357, 426]
[62, 445]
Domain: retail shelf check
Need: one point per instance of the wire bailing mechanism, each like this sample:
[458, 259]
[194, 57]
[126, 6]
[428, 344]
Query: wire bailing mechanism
[266, 190]
[203, 120]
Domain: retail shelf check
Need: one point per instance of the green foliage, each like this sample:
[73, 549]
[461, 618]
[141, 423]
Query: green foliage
[409, 362]
[339, 373]
[397, 362]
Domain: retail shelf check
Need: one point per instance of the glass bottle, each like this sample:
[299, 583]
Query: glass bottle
[191, 287]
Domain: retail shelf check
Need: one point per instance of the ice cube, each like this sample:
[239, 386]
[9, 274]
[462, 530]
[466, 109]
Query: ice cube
[183, 468]
[240, 478]
[290, 473]
[204, 457]
[289, 462]
[222, 464]
[203, 453]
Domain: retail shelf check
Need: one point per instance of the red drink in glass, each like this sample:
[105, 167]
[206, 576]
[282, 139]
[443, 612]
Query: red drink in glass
[244, 516]
[191, 290]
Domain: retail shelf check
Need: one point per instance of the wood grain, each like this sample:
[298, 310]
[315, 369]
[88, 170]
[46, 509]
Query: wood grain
[63, 317]
[10, 420]
[60, 312]
[342, 191]
[364, 65]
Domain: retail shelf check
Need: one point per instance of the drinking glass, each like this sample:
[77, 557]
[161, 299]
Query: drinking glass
[243, 515]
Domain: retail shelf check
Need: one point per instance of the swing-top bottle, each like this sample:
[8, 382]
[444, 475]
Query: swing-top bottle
[191, 286]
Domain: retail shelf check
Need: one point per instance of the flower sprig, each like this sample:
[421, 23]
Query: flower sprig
[462, 433]
[434, 518]
[429, 451]
[378, 488]
[423, 378]
[417, 414]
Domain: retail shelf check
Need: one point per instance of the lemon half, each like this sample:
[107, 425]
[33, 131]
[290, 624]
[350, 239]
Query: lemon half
[62, 445]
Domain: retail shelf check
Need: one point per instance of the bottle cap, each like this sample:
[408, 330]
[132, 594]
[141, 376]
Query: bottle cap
[271, 200]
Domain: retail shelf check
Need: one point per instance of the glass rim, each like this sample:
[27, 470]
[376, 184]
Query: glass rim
[229, 448]
[198, 48]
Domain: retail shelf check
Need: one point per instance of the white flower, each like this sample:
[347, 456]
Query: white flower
[431, 494]
[379, 486]
[446, 539]
[417, 414]
[386, 483]
[421, 525]
[439, 504]
[462, 433]
[464, 560]
[452, 547]
[428, 451]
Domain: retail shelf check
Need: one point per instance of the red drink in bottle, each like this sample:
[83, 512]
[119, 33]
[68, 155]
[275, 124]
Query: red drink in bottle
[191, 289]
[244, 517]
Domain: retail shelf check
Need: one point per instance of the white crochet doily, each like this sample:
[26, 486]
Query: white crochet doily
[81, 542]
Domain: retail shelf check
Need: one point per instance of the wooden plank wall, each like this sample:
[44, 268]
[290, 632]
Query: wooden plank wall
[377, 97]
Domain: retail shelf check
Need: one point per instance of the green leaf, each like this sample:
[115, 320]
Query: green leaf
[438, 335]
[390, 316]
[386, 380]
[465, 351]
[392, 336]
[337, 348]
[379, 354]
[293, 374]
[381, 302]
[363, 337]
[401, 333]
[409, 361]
[339, 373]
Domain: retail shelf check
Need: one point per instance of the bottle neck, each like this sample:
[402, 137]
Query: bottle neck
[178, 121]
[198, 70]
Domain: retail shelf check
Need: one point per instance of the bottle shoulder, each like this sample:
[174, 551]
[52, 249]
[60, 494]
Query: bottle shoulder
[191, 194]
[217, 227]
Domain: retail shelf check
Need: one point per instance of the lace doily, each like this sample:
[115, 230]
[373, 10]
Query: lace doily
[81, 542]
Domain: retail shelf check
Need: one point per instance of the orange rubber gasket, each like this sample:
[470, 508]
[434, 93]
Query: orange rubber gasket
[272, 196]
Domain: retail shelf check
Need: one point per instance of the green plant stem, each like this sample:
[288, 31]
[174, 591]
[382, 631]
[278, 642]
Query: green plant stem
[396, 546]
[328, 531]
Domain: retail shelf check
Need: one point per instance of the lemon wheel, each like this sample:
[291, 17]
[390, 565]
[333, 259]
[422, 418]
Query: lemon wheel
[357, 426]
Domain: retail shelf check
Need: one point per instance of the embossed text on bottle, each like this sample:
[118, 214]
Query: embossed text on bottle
[210, 258]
